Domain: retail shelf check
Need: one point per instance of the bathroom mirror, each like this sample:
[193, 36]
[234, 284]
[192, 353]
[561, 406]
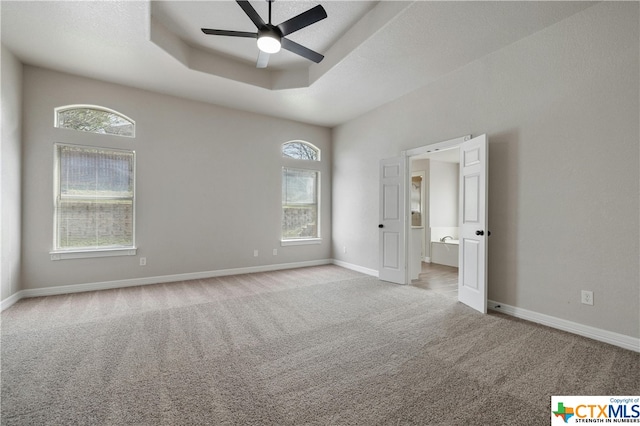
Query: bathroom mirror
[416, 200]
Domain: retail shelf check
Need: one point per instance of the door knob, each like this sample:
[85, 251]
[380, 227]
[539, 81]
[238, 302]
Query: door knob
[479, 232]
[381, 226]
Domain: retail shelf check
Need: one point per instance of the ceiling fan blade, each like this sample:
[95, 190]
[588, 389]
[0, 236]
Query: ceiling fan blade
[251, 13]
[298, 49]
[305, 19]
[263, 59]
[229, 33]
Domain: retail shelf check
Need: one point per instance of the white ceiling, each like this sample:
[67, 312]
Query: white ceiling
[186, 18]
[374, 51]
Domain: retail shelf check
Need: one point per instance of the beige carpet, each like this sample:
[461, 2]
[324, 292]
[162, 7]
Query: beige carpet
[315, 346]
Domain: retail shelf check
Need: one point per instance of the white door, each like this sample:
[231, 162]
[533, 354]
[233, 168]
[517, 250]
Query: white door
[392, 233]
[472, 274]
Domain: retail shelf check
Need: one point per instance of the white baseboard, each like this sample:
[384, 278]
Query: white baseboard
[427, 260]
[108, 285]
[356, 268]
[9, 301]
[617, 339]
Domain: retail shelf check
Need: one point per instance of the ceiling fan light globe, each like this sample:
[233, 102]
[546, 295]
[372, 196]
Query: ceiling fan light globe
[268, 44]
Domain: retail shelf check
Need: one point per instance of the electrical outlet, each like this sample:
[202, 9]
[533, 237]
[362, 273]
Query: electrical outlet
[344, 249]
[143, 261]
[275, 252]
[255, 253]
[587, 297]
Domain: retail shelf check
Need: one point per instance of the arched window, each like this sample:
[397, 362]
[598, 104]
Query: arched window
[300, 150]
[94, 119]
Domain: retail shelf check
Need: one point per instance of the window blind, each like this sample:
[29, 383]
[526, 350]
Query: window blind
[94, 198]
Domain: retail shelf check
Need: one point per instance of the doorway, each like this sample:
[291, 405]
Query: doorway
[434, 200]
[394, 234]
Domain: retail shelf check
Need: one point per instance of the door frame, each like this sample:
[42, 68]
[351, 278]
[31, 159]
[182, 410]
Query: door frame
[426, 149]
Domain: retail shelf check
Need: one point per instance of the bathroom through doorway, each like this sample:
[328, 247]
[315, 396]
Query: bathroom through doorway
[434, 233]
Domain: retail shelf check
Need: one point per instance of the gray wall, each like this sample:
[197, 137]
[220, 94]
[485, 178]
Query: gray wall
[443, 194]
[561, 112]
[208, 183]
[10, 169]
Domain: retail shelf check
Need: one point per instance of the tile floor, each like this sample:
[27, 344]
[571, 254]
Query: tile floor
[439, 278]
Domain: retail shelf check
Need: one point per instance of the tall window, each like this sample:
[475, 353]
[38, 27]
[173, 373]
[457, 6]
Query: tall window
[300, 193]
[299, 204]
[94, 198]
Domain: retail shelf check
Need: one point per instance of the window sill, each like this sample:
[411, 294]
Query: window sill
[301, 242]
[82, 254]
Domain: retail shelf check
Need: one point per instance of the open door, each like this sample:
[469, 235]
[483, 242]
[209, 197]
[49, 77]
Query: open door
[472, 275]
[392, 262]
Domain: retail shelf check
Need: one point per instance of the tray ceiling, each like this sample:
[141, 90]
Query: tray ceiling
[374, 51]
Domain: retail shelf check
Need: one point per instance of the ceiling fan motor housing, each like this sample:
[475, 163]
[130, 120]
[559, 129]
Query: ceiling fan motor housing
[269, 38]
[270, 31]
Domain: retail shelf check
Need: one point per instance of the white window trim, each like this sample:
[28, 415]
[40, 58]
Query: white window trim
[88, 253]
[301, 242]
[312, 240]
[91, 252]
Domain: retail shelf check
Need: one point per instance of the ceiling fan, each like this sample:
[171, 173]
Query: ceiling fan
[272, 37]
